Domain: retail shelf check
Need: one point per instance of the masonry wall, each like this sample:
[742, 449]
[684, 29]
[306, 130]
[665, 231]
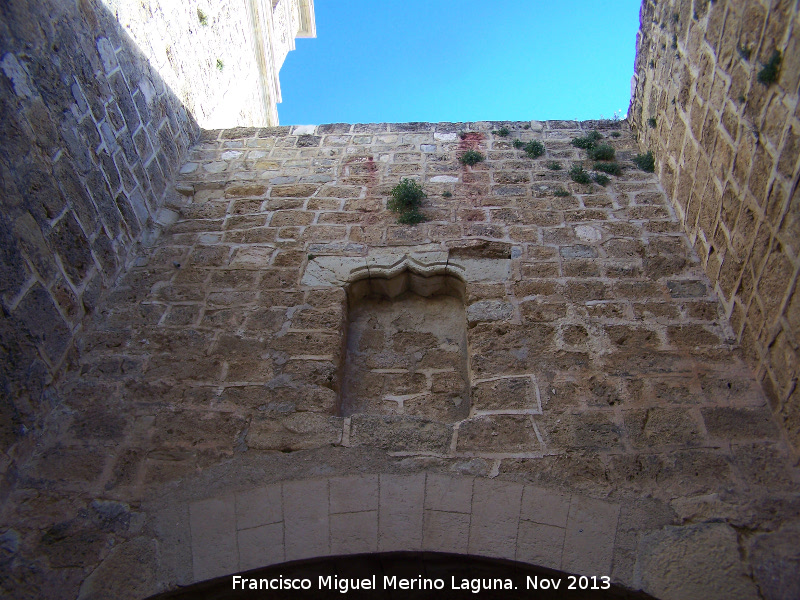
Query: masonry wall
[211, 65]
[90, 139]
[221, 58]
[189, 411]
[613, 427]
[727, 147]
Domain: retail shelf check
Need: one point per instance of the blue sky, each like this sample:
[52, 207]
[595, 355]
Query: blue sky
[447, 60]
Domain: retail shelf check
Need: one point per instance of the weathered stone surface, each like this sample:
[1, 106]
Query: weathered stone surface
[686, 289]
[214, 548]
[776, 561]
[589, 430]
[498, 434]
[494, 525]
[578, 251]
[294, 432]
[489, 310]
[260, 546]
[543, 506]
[706, 555]
[127, 572]
[191, 428]
[479, 249]
[41, 320]
[307, 524]
[354, 533]
[589, 537]
[715, 173]
[739, 423]
[400, 433]
[261, 506]
[448, 494]
[662, 427]
[507, 393]
[401, 500]
[445, 531]
[354, 494]
[597, 379]
[393, 345]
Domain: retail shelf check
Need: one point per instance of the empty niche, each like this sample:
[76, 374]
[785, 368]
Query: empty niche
[406, 348]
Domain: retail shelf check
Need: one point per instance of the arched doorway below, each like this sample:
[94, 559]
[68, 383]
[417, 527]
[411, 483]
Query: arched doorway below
[405, 575]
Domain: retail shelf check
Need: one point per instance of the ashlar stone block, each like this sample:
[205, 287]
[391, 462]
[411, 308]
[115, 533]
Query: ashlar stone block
[706, 557]
[446, 532]
[448, 494]
[354, 494]
[354, 532]
[260, 546]
[590, 534]
[495, 518]
[543, 506]
[401, 500]
[258, 507]
[307, 528]
[214, 548]
[507, 394]
[540, 545]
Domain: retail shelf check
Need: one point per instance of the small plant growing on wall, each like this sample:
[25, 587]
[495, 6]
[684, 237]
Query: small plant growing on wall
[561, 193]
[602, 152]
[447, 195]
[601, 179]
[471, 157]
[616, 134]
[587, 142]
[646, 162]
[406, 199]
[519, 144]
[578, 175]
[554, 165]
[534, 148]
[652, 122]
[769, 74]
[503, 131]
[611, 168]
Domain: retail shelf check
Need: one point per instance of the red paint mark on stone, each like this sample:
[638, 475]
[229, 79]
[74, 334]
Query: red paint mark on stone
[471, 191]
[364, 166]
[470, 141]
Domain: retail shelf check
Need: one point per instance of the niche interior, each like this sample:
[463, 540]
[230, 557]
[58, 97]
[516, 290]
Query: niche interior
[406, 348]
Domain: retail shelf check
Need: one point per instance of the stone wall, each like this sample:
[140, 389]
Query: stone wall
[90, 140]
[220, 58]
[613, 427]
[540, 371]
[726, 138]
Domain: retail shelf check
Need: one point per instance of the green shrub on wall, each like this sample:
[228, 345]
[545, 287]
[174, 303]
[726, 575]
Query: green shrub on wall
[406, 199]
[471, 157]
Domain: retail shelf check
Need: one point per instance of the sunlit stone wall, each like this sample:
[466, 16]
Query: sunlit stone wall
[221, 58]
[716, 100]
